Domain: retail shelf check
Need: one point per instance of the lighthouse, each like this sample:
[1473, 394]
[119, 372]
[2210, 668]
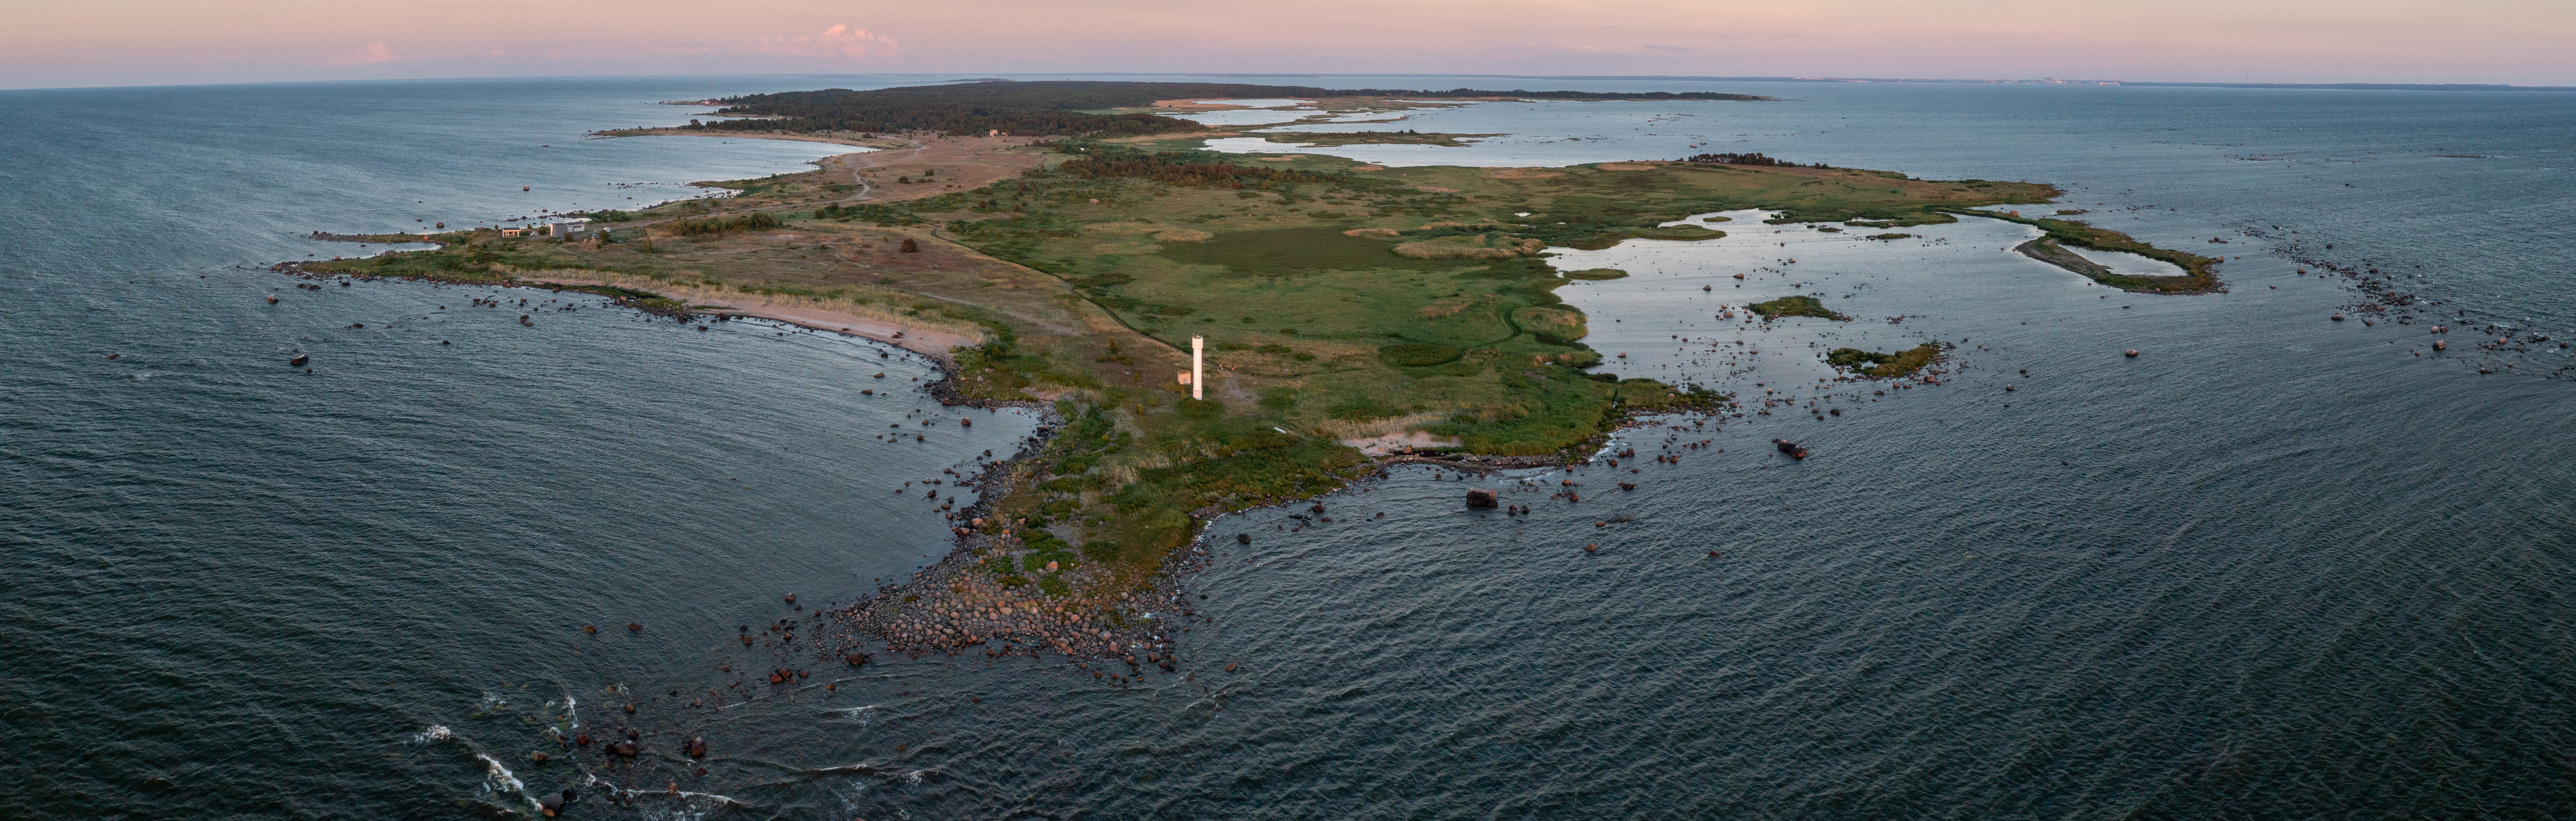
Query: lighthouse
[1198, 374]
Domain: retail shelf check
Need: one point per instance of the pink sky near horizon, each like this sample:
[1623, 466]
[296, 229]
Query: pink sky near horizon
[177, 42]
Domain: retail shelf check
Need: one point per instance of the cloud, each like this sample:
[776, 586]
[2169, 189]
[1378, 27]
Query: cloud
[837, 41]
[372, 53]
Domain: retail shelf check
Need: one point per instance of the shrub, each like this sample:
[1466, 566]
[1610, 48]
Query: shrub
[1417, 354]
[1202, 409]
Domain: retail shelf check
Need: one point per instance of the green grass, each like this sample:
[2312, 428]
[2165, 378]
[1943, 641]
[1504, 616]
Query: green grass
[1596, 273]
[1288, 251]
[470, 256]
[1418, 354]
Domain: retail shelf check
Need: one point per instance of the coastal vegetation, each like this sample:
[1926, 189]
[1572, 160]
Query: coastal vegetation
[1340, 301]
[1741, 159]
[1885, 365]
[2198, 275]
[1789, 306]
[1596, 274]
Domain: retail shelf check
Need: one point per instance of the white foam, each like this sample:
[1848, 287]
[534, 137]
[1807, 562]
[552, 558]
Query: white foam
[499, 779]
[690, 806]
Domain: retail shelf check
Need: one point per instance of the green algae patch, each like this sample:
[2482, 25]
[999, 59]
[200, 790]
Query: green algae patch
[1794, 306]
[1596, 274]
[1885, 365]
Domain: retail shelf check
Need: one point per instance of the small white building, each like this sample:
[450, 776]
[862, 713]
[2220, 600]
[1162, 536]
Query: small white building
[569, 230]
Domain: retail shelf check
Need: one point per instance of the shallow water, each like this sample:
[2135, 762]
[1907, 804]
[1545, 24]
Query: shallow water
[2275, 566]
[1265, 102]
[1244, 116]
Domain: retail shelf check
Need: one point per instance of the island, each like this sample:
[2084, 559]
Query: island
[1353, 314]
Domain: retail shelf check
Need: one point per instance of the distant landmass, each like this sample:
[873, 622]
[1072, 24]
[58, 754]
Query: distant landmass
[1065, 107]
[1989, 81]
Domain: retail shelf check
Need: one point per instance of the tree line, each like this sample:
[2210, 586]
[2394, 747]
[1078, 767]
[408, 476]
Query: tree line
[1059, 107]
[1744, 159]
[1193, 168]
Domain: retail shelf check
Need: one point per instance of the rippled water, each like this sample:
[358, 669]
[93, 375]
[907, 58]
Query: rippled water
[2274, 567]
[232, 587]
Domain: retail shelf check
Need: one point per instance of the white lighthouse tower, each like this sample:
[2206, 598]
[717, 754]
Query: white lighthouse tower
[1198, 372]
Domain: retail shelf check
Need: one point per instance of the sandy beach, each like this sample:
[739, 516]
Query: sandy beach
[818, 314]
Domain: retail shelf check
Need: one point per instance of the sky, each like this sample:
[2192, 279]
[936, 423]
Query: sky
[53, 44]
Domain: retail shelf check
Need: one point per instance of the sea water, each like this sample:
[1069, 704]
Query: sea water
[2275, 565]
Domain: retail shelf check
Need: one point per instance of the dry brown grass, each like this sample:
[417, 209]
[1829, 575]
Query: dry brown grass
[1372, 232]
[1348, 429]
[1480, 246]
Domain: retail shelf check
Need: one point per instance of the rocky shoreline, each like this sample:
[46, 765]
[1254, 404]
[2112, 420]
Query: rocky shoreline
[953, 607]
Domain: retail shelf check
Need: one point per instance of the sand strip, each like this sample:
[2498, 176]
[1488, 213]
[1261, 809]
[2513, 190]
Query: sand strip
[818, 314]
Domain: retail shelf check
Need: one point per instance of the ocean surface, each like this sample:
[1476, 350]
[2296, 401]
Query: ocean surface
[2276, 566]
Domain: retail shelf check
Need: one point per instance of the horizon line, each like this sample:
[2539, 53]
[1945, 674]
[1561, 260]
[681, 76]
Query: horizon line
[957, 77]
